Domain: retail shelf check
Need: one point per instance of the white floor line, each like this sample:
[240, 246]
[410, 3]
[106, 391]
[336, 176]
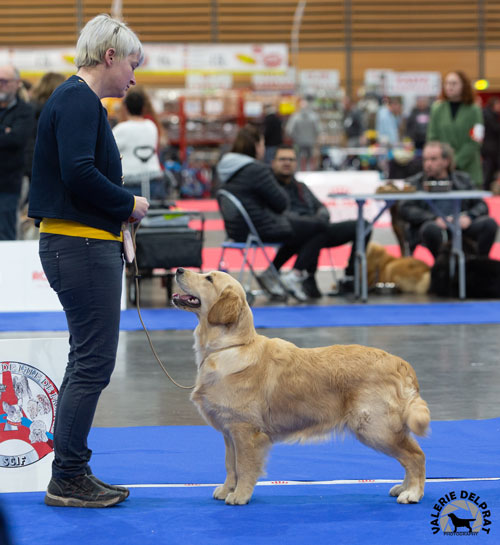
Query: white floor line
[314, 483]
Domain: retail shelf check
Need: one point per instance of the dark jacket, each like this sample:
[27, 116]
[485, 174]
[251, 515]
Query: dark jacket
[20, 119]
[262, 196]
[417, 212]
[77, 172]
[273, 130]
[353, 123]
[416, 126]
[303, 202]
[491, 142]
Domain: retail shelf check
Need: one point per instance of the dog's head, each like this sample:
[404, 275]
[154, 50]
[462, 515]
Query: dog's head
[215, 296]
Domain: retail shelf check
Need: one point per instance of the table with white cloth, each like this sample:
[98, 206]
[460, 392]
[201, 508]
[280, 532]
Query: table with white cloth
[432, 198]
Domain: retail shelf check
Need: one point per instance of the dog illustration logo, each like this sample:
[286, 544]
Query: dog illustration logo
[459, 523]
[28, 402]
[461, 513]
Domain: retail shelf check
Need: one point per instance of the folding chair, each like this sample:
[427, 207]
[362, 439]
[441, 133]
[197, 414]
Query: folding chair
[232, 208]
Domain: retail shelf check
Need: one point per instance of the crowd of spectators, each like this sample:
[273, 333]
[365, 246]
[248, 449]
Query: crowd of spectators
[456, 117]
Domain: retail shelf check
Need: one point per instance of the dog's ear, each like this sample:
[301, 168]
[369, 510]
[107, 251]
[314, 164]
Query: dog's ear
[226, 309]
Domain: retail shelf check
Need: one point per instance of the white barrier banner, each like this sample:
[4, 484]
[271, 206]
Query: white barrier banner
[23, 284]
[31, 372]
[326, 183]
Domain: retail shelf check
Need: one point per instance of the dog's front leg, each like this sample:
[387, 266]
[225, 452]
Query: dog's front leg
[251, 448]
[221, 492]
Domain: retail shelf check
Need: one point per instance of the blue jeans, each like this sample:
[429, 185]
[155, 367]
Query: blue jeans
[86, 274]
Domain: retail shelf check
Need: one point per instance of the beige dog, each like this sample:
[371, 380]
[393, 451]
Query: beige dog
[258, 391]
[410, 275]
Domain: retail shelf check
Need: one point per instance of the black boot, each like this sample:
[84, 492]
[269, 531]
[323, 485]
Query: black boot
[81, 491]
[311, 288]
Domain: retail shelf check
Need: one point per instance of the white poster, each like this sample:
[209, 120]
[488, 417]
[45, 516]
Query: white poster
[275, 82]
[31, 372]
[163, 58]
[319, 81]
[237, 58]
[203, 82]
[413, 83]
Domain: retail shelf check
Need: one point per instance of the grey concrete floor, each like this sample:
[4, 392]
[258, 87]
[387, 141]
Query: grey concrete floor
[458, 367]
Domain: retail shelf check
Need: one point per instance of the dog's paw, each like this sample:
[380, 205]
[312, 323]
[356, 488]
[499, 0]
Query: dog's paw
[396, 490]
[410, 496]
[237, 499]
[221, 492]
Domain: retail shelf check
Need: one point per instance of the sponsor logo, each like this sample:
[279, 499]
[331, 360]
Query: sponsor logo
[28, 402]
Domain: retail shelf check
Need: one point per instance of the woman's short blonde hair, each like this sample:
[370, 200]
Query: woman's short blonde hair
[102, 33]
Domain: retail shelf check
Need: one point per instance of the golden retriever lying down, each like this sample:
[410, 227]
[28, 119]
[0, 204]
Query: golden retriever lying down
[410, 275]
[258, 391]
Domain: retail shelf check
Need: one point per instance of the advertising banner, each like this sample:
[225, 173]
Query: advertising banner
[31, 372]
[164, 59]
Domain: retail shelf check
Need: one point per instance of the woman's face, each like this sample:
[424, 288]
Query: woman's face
[453, 87]
[260, 149]
[121, 75]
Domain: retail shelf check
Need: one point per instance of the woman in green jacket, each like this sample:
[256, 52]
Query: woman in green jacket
[455, 119]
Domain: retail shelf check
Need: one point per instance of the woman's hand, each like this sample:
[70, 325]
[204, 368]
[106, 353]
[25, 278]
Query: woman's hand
[140, 209]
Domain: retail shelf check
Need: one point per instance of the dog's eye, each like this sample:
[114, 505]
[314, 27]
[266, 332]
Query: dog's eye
[210, 279]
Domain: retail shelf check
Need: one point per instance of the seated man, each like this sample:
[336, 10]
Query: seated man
[307, 208]
[429, 228]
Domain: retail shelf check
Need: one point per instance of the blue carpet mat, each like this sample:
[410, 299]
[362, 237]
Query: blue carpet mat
[340, 515]
[298, 316]
[357, 513]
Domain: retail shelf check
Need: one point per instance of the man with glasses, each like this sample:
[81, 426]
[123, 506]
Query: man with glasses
[16, 129]
[305, 205]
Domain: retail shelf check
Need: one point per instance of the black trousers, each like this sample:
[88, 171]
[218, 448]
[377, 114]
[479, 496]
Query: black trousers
[86, 274]
[332, 234]
[482, 231]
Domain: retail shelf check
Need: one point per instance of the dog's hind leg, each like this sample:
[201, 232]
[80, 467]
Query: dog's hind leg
[251, 447]
[407, 452]
[410, 456]
[221, 492]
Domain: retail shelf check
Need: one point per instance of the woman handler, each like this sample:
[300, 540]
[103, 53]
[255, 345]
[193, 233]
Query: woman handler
[78, 200]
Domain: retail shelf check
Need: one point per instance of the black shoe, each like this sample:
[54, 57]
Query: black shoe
[80, 491]
[346, 285]
[115, 487]
[311, 288]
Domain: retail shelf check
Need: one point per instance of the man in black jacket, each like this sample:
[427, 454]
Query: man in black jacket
[16, 129]
[304, 205]
[429, 228]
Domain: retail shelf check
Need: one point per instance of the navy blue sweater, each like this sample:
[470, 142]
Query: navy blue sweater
[77, 172]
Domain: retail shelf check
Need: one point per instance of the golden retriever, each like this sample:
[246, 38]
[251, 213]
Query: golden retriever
[409, 274]
[258, 391]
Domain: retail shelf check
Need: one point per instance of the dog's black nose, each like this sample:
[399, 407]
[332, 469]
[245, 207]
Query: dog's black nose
[180, 270]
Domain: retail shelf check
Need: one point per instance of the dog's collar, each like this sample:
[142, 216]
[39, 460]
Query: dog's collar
[219, 350]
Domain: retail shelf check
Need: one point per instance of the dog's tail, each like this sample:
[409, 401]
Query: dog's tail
[418, 416]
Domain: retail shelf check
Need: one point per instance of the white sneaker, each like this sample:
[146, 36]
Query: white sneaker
[293, 284]
[270, 283]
